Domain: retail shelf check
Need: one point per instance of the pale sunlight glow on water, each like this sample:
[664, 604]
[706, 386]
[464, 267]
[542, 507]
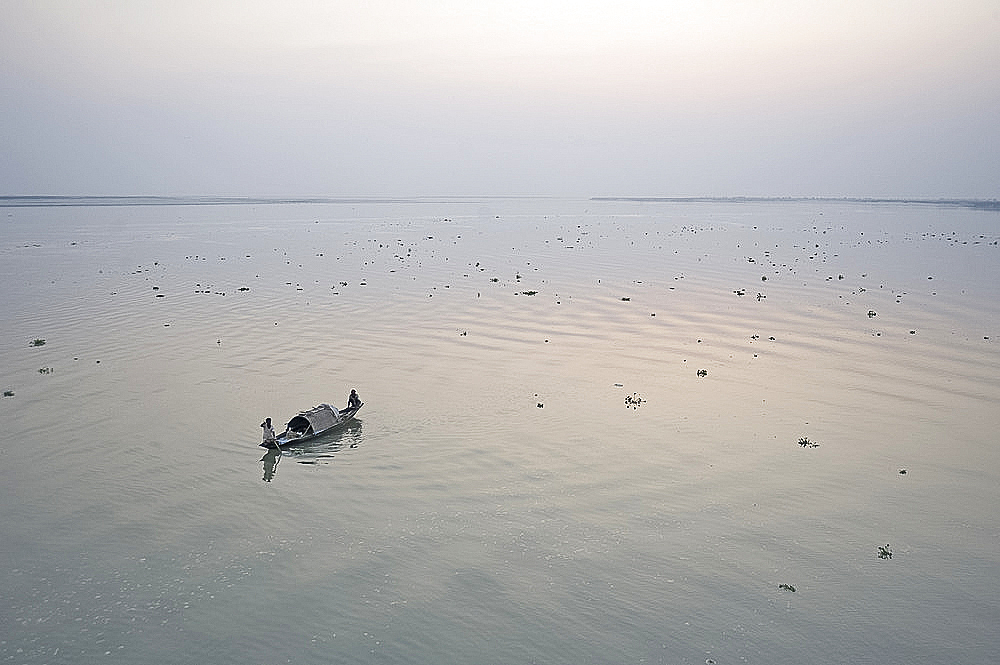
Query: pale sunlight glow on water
[810, 382]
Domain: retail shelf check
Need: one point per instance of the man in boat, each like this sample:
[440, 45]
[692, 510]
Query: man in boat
[353, 401]
[269, 440]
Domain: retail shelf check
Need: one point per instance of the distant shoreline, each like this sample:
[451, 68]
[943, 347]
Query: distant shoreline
[87, 201]
[982, 204]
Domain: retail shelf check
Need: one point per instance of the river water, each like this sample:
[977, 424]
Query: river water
[594, 432]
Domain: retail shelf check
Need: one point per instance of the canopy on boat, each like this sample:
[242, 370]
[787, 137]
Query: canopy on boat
[320, 418]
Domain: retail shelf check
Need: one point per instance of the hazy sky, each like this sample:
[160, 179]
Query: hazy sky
[589, 97]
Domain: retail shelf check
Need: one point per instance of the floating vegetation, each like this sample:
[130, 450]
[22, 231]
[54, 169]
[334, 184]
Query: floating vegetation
[740, 292]
[529, 293]
[703, 372]
[45, 370]
[786, 587]
[38, 342]
[626, 299]
[243, 288]
[634, 400]
[902, 472]
[806, 443]
[884, 551]
[8, 393]
[872, 313]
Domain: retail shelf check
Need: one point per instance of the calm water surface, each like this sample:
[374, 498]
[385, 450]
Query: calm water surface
[498, 501]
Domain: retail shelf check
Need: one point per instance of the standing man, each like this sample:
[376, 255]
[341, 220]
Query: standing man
[269, 439]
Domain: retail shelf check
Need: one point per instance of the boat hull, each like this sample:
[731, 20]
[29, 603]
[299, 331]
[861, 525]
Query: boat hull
[287, 438]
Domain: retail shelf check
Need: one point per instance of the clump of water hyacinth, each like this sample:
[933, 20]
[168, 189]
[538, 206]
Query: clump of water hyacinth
[634, 400]
[38, 341]
[806, 443]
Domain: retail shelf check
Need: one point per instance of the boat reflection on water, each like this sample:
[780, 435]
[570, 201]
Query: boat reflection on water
[315, 451]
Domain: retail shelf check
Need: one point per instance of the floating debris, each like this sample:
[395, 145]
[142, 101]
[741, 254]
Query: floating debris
[786, 587]
[45, 370]
[8, 393]
[702, 372]
[634, 400]
[902, 472]
[38, 342]
[884, 551]
[806, 443]
[626, 299]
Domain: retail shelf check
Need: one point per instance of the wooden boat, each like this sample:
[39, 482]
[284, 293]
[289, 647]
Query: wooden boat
[315, 422]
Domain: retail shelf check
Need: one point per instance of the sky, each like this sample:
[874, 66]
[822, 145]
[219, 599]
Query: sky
[884, 98]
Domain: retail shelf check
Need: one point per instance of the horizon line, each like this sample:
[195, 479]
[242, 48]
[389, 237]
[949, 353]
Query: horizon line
[44, 200]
